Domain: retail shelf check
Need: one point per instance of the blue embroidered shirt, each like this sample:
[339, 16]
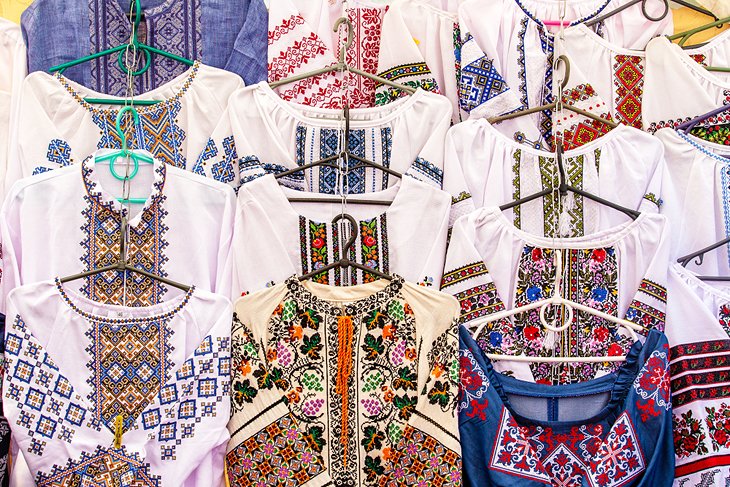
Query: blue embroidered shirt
[615, 431]
[228, 34]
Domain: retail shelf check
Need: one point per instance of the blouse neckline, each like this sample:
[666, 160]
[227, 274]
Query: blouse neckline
[685, 57]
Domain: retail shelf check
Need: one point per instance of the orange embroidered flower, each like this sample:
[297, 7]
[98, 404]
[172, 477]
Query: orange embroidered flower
[387, 452]
[293, 396]
[279, 309]
[245, 368]
[389, 330]
[389, 395]
[411, 354]
[438, 369]
[271, 355]
[296, 332]
[407, 308]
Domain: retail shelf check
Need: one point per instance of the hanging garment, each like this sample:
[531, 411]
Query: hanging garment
[678, 88]
[229, 35]
[698, 328]
[420, 47]
[491, 266]
[699, 210]
[625, 166]
[12, 58]
[183, 232]
[262, 130]
[78, 371]
[344, 386]
[507, 54]
[614, 431]
[56, 127]
[301, 39]
[276, 238]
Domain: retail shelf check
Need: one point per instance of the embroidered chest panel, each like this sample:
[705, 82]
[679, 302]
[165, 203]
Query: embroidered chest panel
[321, 244]
[350, 378]
[628, 82]
[174, 26]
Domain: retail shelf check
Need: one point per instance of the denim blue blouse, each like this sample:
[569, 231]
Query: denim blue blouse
[227, 34]
[628, 442]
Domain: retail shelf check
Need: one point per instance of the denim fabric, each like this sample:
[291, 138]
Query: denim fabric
[625, 441]
[228, 34]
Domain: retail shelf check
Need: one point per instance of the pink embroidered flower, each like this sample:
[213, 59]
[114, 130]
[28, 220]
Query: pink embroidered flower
[269, 449]
[307, 457]
[369, 241]
[317, 243]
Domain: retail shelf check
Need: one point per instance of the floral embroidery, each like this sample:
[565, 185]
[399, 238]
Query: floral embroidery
[474, 385]
[420, 459]
[700, 372]
[443, 382]
[513, 453]
[718, 424]
[619, 459]
[462, 274]
[724, 318]
[654, 199]
[653, 386]
[414, 75]
[689, 436]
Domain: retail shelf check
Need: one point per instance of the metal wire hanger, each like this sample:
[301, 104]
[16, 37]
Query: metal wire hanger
[683, 37]
[134, 46]
[645, 12]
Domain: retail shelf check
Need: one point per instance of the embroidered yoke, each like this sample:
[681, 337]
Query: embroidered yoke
[610, 432]
[344, 386]
[78, 371]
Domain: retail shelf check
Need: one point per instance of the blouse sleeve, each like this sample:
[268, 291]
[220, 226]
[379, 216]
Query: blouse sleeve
[249, 50]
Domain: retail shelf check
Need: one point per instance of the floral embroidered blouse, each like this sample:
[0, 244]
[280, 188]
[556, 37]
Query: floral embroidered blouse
[610, 432]
[698, 328]
[345, 386]
[108, 395]
[492, 266]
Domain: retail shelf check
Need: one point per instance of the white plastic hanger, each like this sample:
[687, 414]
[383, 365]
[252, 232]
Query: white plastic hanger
[569, 307]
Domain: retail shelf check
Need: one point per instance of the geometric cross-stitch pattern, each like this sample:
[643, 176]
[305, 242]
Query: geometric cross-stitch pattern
[129, 363]
[59, 153]
[102, 468]
[279, 454]
[480, 82]
[628, 80]
[619, 459]
[513, 453]
[420, 459]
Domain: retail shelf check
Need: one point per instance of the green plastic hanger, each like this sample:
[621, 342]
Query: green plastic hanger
[121, 50]
[134, 156]
[685, 36]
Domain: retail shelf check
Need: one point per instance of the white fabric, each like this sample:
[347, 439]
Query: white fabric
[718, 7]
[275, 238]
[678, 88]
[625, 166]
[698, 323]
[509, 38]
[175, 432]
[184, 231]
[12, 59]
[262, 130]
[56, 127]
[492, 266]
[698, 213]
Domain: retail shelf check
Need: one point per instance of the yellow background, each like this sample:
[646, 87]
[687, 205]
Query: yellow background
[11, 9]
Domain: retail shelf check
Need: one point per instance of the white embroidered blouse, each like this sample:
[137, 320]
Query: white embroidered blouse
[184, 231]
[13, 60]
[77, 372]
[408, 237]
[492, 266]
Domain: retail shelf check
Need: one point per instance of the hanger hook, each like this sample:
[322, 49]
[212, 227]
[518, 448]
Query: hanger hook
[350, 36]
[137, 13]
[700, 259]
[120, 132]
[562, 59]
[649, 17]
[353, 231]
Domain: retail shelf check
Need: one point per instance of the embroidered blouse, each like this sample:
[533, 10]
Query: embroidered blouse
[671, 70]
[609, 432]
[301, 40]
[262, 129]
[298, 238]
[56, 127]
[229, 35]
[492, 266]
[698, 211]
[507, 54]
[12, 58]
[698, 328]
[344, 386]
[183, 232]
[626, 166]
[77, 372]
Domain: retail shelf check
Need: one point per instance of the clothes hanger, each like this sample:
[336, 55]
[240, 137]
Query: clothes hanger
[345, 262]
[689, 125]
[342, 66]
[134, 46]
[683, 37]
[699, 258]
[135, 156]
[644, 11]
[122, 266]
[569, 307]
[552, 106]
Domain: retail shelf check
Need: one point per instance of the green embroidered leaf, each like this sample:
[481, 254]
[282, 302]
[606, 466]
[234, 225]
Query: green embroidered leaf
[312, 346]
[263, 377]
[439, 394]
[406, 405]
[372, 439]
[373, 468]
[310, 319]
[373, 347]
[315, 438]
[454, 371]
[394, 432]
[375, 319]
[289, 311]
[243, 392]
[406, 380]
[277, 377]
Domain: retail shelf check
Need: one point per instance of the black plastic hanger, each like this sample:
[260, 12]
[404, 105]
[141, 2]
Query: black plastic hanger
[700, 258]
[345, 262]
[122, 266]
[664, 14]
